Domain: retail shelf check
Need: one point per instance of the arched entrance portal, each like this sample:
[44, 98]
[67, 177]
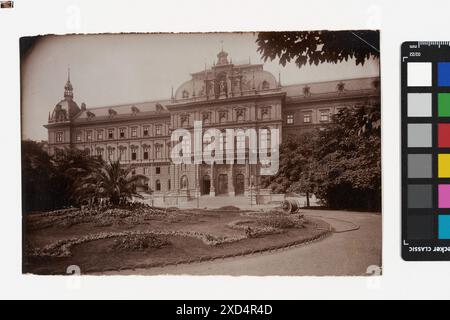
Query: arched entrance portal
[223, 184]
[206, 184]
[239, 184]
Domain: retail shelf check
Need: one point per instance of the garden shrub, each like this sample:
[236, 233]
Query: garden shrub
[139, 242]
[229, 208]
[279, 222]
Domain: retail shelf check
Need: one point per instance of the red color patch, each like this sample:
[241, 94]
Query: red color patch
[444, 135]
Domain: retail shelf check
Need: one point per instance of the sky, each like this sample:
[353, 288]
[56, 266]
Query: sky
[111, 69]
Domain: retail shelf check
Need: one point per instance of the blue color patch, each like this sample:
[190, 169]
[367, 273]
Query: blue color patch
[444, 227]
[444, 74]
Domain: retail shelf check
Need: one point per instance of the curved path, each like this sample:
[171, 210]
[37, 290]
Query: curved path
[354, 247]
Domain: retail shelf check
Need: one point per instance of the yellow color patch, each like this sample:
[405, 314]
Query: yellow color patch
[444, 165]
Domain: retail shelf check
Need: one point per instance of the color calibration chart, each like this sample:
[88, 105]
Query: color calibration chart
[425, 70]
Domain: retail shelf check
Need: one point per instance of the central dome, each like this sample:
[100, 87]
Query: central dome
[222, 58]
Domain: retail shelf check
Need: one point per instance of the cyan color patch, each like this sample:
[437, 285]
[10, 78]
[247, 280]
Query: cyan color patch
[444, 227]
[444, 74]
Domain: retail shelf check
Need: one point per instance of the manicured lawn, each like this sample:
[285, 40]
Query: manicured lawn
[143, 237]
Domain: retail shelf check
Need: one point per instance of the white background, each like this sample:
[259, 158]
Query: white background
[398, 20]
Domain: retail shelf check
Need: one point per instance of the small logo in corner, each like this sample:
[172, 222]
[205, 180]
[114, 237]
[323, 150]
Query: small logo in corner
[6, 4]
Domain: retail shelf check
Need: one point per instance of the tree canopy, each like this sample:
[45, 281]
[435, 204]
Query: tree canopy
[339, 163]
[70, 178]
[316, 47]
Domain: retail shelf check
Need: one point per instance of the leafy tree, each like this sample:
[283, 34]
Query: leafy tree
[109, 181]
[37, 190]
[315, 47]
[70, 166]
[339, 163]
[296, 172]
[348, 161]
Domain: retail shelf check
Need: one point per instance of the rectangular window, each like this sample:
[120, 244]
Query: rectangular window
[290, 119]
[110, 133]
[78, 137]
[111, 154]
[133, 155]
[324, 116]
[158, 130]
[134, 132]
[158, 170]
[122, 133]
[145, 132]
[100, 135]
[89, 135]
[158, 151]
[145, 154]
[307, 118]
[59, 137]
[122, 153]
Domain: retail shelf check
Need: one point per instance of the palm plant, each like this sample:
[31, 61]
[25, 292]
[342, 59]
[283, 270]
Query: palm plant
[109, 181]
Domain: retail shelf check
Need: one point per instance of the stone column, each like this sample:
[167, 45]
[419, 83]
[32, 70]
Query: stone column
[247, 179]
[212, 189]
[197, 180]
[231, 191]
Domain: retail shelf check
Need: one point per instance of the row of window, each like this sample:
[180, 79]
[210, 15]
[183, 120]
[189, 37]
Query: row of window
[111, 133]
[240, 115]
[324, 116]
[183, 184]
[157, 170]
[122, 153]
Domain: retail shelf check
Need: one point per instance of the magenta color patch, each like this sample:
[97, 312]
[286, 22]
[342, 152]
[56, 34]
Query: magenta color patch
[444, 196]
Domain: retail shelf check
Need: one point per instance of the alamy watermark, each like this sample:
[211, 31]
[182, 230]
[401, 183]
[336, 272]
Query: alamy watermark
[227, 146]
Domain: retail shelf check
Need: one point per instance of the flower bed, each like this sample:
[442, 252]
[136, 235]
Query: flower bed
[62, 248]
[67, 218]
[267, 224]
[139, 242]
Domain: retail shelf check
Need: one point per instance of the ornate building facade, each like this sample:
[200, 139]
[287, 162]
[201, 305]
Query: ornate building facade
[227, 95]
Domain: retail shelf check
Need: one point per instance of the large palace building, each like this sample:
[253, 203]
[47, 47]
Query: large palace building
[227, 95]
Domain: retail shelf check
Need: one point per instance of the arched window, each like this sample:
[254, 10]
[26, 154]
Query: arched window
[157, 185]
[186, 146]
[265, 139]
[265, 85]
[222, 141]
[146, 152]
[207, 139]
[110, 153]
[240, 139]
[134, 152]
[184, 182]
[158, 151]
[185, 94]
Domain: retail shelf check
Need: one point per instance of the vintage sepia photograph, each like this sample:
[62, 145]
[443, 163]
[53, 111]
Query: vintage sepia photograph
[254, 153]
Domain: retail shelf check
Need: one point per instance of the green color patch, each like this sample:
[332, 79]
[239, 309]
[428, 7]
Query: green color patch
[444, 104]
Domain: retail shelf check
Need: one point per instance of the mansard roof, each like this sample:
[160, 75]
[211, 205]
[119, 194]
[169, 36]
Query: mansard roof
[123, 111]
[332, 88]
